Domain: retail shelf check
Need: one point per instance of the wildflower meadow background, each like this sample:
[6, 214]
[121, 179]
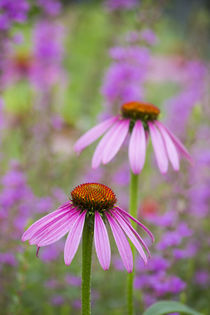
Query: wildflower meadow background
[64, 67]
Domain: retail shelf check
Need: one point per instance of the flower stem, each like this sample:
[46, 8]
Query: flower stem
[133, 207]
[87, 244]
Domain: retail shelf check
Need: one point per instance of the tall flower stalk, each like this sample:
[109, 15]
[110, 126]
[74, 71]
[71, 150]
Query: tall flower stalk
[133, 206]
[87, 244]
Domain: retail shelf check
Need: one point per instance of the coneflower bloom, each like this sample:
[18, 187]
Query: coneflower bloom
[98, 201]
[141, 120]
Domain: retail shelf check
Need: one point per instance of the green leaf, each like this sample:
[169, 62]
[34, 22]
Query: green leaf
[166, 307]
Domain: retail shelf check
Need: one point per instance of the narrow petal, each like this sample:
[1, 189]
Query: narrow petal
[74, 238]
[45, 220]
[170, 147]
[122, 243]
[93, 134]
[125, 213]
[101, 241]
[97, 157]
[135, 233]
[115, 142]
[58, 231]
[159, 148]
[137, 148]
[49, 227]
[179, 145]
[131, 236]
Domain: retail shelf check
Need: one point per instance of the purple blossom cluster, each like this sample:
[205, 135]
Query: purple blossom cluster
[180, 106]
[145, 36]
[12, 12]
[18, 203]
[199, 194]
[42, 64]
[113, 5]
[123, 81]
[158, 278]
[47, 53]
[50, 7]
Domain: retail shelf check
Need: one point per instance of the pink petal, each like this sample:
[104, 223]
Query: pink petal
[74, 238]
[101, 240]
[159, 148]
[58, 231]
[49, 227]
[135, 233]
[93, 134]
[122, 244]
[130, 234]
[137, 148]
[179, 145]
[170, 147]
[125, 213]
[45, 220]
[97, 157]
[115, 142]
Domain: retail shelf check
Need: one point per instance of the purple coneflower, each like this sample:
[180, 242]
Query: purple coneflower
[91, 203]
[141, 120]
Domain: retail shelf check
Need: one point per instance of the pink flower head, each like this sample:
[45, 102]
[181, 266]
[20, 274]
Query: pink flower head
[96, 201]
[141, 120]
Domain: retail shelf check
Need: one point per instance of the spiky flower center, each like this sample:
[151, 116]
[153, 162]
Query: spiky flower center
[139, 110]
[93, 197]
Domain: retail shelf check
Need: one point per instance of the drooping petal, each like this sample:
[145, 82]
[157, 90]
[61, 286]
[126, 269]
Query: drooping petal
[135, 233]
[137, 148]
[58, 231]
[179, 145]
[49, 227]
[93, 134]
[125, 213]
[122, 243]
[130, 234]
[101, 241]
[116, 141]
[45, 220]
[159, 148]
[170, 147]
[74, 238]
[97, 156]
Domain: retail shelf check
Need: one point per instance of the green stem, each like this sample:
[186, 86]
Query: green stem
[87, 244]
[133, 207]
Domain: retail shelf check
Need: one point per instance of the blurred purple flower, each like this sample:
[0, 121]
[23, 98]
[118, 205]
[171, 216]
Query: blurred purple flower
[180, 107]
[202, 278]
[57, 300]
[168, 219]
[73, 280]
[76, 304]
[113, 5]
[149, 36]
[48, 53]
[12, 11]
[43, 204]
[57, 122]
[51, 283]
[50, 253]
[122, 175]
[174, 238]
[8, 258]
[124, 78]
[50, 7]
[188, 252]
